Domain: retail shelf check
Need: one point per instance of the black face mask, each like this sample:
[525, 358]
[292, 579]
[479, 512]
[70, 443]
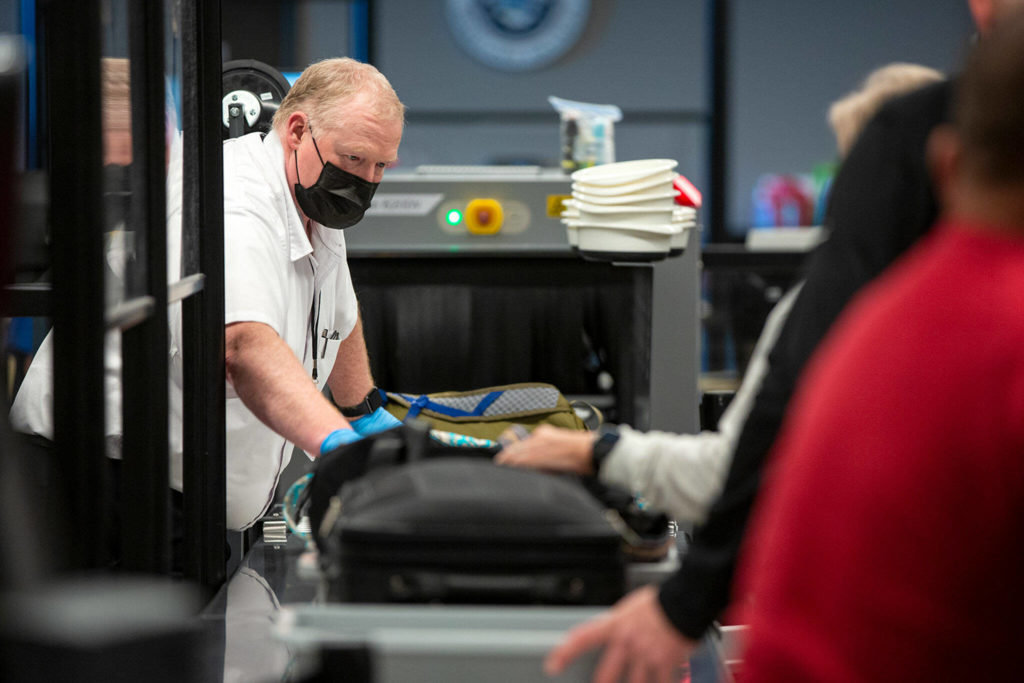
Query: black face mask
[337, 199]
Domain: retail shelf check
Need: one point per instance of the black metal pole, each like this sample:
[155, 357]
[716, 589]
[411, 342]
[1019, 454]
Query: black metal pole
[718, 97]
[76, 220]
[145, 500]
[371, 48]
[21, 537]
[203, 313]
[643, 334]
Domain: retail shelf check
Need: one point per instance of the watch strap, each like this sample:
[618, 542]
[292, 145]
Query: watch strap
[369, 404]
[607, 437]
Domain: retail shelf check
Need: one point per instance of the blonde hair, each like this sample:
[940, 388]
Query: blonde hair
[325, 86]
[850, 114]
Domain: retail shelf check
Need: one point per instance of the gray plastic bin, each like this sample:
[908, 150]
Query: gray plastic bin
[438, 643]
[455, 644]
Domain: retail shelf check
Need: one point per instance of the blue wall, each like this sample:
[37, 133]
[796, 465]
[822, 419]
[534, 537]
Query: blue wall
[789, 61]
[645, 56]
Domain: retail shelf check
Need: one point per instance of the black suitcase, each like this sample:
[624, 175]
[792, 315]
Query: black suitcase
[400, 518]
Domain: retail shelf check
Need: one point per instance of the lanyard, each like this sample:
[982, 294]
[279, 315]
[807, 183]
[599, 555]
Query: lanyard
[314, 319]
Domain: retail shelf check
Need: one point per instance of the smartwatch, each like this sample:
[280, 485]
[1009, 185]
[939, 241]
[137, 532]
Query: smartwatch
[607, 437]
[369, 404]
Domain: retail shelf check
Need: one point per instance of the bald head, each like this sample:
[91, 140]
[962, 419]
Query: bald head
[987, 114]
[978, 161]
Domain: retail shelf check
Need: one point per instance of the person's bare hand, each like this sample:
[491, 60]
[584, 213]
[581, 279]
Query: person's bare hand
[551, 448]
[639, 642]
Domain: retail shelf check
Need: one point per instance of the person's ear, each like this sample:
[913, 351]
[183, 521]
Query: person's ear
[295, 128]
[945, 159]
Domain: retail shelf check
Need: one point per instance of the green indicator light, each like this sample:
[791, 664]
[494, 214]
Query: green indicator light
[454, 217]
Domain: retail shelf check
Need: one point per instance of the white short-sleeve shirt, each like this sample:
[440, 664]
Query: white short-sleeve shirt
[272, 275]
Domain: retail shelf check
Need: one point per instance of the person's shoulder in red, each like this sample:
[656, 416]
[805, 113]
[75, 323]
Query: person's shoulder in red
[887, 545]
[903, 423]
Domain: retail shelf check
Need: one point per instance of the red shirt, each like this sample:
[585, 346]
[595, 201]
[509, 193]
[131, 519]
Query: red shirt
[889, 542]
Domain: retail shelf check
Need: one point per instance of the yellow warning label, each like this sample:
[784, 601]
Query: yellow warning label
[555, 207]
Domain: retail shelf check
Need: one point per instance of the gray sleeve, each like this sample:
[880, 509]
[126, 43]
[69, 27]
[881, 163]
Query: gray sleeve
[681, 474]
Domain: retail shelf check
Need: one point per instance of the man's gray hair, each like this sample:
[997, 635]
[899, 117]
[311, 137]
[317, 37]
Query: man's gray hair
[324, 87]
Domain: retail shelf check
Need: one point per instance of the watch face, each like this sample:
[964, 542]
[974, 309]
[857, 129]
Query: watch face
[517, 35]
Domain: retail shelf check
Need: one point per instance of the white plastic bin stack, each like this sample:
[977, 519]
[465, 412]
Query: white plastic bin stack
[627, 211]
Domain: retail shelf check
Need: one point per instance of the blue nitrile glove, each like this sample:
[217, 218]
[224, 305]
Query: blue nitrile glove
[337, 438]
[377, 421]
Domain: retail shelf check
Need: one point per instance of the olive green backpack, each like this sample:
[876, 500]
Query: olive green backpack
[487, 413]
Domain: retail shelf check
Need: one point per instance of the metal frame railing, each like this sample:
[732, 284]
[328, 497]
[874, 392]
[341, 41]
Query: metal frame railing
[76, 299]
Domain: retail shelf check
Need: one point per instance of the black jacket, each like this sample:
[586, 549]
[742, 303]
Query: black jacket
[881, 203]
